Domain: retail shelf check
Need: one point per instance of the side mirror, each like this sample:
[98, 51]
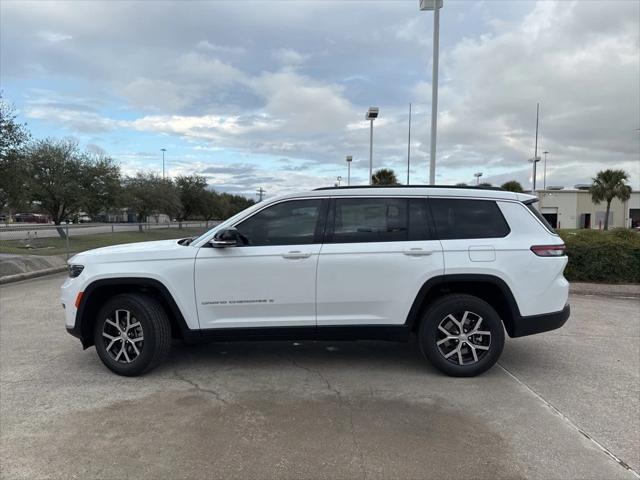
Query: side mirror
[229, 237]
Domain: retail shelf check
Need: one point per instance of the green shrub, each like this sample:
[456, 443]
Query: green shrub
[598, 256]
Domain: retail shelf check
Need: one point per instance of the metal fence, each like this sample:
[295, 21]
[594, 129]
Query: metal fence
[67, 239]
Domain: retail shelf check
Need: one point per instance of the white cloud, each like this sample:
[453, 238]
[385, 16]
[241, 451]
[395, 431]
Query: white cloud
[206, 45]
[55, 37]
[290, 57]
[307, 107]
[206, 127]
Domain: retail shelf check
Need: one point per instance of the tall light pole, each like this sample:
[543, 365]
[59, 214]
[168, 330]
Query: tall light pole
[434, 5]
[477, 175]
[371, 115]
[544, 176]
[534, 160]
[163, 150]
[409, 147]
[349, 160]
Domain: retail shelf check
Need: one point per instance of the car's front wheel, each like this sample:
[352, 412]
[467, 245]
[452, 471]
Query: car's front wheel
[132, 334]
[461, 335]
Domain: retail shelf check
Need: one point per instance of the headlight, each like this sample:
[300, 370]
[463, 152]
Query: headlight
[75, 270]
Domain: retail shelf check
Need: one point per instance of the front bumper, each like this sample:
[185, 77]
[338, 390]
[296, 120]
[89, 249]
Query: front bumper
[533, 324]
[68, 295]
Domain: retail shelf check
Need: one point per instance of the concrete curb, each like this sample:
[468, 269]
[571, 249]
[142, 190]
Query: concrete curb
[605, 289]
[28, 275]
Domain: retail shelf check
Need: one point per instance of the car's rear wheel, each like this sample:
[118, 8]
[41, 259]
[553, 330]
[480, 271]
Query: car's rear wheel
[461, 335]
[132, 334]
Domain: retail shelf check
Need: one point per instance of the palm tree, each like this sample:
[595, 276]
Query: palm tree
[607, 185]
[512, 186]
[384, 176]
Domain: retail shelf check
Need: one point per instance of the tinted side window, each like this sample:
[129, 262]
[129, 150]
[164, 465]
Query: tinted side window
[286, 223]
[379, 220]
[539, 216]
[419, 220]
[457, 218]
[370, 220]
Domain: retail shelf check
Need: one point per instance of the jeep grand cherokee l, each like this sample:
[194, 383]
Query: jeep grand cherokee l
[455, 266]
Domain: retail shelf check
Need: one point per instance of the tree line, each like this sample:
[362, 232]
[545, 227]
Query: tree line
[57, 178]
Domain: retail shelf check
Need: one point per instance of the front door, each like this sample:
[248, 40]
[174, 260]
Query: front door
[270, 282]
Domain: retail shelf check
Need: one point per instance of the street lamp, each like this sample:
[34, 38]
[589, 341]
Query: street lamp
[534, 160]
[163, 150]
[544, 176]
[434, 5]
[371, 115]
[349, 160]
[477, 175]
[339, 178]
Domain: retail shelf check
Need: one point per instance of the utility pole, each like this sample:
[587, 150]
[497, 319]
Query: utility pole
[434, 5]
[535, 153]
[163, 150]
[371, 115]
[409, 146]
[261, 192]
[544, 176]
[535, 158]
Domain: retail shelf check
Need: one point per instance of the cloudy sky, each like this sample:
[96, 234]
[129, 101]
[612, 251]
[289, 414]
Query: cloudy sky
[273, 94]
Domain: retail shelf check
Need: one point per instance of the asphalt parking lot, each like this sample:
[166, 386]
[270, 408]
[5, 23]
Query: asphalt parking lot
[565, 404]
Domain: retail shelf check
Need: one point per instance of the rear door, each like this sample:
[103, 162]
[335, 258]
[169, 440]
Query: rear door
[378, 252]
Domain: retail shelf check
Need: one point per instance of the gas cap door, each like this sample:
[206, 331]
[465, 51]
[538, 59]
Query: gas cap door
[482, 253]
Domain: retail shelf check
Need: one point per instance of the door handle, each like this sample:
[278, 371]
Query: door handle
[296, 254]
[417, 252]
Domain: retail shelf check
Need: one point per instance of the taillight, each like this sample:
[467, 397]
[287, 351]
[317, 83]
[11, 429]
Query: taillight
[548, 250]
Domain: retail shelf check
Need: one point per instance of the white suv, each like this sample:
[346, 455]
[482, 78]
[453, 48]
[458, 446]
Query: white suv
[456, 266]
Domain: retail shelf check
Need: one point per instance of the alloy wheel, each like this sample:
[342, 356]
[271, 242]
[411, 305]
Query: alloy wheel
[460, 339]
[123, 336]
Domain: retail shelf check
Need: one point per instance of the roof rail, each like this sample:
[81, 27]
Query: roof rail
[472, 187]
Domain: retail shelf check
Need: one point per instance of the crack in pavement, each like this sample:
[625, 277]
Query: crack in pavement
[341, 401]
[567, 420]
[215, 394]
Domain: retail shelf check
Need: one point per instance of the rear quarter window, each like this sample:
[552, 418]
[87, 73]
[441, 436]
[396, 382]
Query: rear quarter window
[532, 208]
[462, 218]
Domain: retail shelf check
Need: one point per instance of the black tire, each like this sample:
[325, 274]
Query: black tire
[456, 304]
[155, 331]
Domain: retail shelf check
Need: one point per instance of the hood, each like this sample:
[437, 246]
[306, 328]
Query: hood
[154, 250]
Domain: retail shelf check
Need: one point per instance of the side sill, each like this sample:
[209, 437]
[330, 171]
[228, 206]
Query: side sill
[393, 333]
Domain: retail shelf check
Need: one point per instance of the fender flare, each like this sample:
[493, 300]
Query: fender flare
[442, 280]
[82, 329]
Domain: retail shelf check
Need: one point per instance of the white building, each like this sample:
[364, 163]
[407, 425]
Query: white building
[573, 208]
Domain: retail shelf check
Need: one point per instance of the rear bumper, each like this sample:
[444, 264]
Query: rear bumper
[533, 324]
